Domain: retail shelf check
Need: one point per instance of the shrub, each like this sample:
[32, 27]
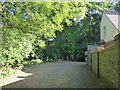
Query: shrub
[36, 61]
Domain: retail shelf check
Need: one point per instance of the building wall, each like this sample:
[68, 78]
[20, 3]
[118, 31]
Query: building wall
[105, 63]
[108, 31]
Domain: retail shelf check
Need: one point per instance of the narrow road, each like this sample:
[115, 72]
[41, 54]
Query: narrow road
[58, 75]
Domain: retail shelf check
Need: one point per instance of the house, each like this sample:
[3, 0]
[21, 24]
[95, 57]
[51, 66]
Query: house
[109, 28]
[110, 25]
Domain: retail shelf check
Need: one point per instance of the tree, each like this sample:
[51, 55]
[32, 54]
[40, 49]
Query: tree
[27, 25]
[117, 6]
[73, 40]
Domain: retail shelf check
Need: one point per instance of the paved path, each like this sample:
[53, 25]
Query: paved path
[58, 75]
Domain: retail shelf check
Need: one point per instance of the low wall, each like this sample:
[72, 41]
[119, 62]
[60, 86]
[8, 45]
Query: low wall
[89, 59]
[119, 63]
[94, 62]
[108, 66]
[105, 63]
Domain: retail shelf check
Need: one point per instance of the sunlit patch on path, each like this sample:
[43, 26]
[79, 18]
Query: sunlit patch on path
[19, 75]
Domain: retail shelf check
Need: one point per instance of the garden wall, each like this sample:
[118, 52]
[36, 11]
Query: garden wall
[105, 62]
[94, 61]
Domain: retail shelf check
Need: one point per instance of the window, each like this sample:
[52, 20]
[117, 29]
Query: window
[104, 29]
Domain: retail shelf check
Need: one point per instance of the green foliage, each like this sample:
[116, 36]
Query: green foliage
[36, 61]
[26, 26]
[6, 71]
[117, 6]
[72, 42]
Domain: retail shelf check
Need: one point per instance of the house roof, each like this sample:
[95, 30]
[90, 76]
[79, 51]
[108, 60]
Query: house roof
[114, 17]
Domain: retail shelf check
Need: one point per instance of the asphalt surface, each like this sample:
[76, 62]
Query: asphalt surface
[58, 75]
